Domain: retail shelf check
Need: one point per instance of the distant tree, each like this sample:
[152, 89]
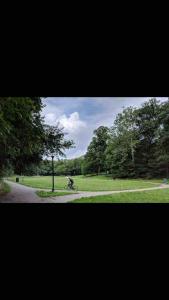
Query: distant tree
[148, 124]
[95, 156]
[162, 143]
[121, 148]
[132, 148]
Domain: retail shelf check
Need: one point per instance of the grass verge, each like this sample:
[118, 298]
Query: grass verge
[156, 196]
[4, 188]
[44, 194]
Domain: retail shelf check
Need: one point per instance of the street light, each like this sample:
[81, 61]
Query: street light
[53, 175]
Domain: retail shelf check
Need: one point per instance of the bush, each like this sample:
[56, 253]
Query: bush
[4, 188]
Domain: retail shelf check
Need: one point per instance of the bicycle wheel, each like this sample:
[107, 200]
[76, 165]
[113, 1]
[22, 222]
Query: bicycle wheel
[75, 188]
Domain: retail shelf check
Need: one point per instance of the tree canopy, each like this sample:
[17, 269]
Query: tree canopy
[137, 144]
[24, 137]
[95, 156]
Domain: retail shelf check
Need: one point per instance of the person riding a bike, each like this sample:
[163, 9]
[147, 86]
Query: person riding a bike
[70, 183]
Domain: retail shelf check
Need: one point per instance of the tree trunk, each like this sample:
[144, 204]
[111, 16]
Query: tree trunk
[167, 171]
[98, 170]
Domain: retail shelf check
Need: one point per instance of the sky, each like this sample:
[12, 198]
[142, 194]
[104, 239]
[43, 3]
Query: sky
[80, 116]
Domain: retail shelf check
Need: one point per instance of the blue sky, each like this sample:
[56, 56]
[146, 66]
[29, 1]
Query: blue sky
[80, 116]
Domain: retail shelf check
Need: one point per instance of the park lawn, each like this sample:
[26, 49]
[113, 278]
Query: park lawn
[45, 194]
[156, 196]
[4, 188]
[94, 183]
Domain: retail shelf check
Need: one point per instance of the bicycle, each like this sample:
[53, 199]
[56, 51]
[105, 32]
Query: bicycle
[69, 188]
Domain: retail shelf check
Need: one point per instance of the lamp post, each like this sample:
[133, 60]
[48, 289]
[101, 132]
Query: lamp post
[53, 175]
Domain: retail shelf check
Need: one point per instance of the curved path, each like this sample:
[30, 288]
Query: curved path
[23, 194]
[69, 198]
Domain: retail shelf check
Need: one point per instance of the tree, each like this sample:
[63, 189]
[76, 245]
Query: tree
[54, 141]
[132, 148]
[118, 157]
[162, 145]
[121, 148]
[24, 138]
[148, 123]
[95, 156]
[125, 125]
[21, 131]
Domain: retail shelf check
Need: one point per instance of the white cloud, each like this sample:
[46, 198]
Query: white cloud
[51, 113]
[77, 130]
[72, 124]
[50, 118]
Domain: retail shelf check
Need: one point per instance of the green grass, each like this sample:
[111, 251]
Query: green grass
[44, 194]
[156, 196]
[94, 183]
[4, 188]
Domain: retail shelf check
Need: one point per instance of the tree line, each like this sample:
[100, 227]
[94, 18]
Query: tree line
[137, 145]
[64, 167]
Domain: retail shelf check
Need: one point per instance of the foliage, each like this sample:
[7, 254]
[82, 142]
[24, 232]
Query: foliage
[95, 156]
[139, 142]
[65, 167]
[4, 188]
[54, 142]
[24, 138]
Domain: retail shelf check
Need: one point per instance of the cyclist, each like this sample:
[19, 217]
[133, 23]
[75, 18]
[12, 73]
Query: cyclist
[70, 183]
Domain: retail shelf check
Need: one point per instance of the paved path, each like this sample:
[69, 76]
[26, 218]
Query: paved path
[69, 198]
[23, 194]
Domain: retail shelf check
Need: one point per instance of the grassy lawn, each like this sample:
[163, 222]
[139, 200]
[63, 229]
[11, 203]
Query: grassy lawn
[4, 188]
[94, 183]
[44, 194]
[156, 196]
